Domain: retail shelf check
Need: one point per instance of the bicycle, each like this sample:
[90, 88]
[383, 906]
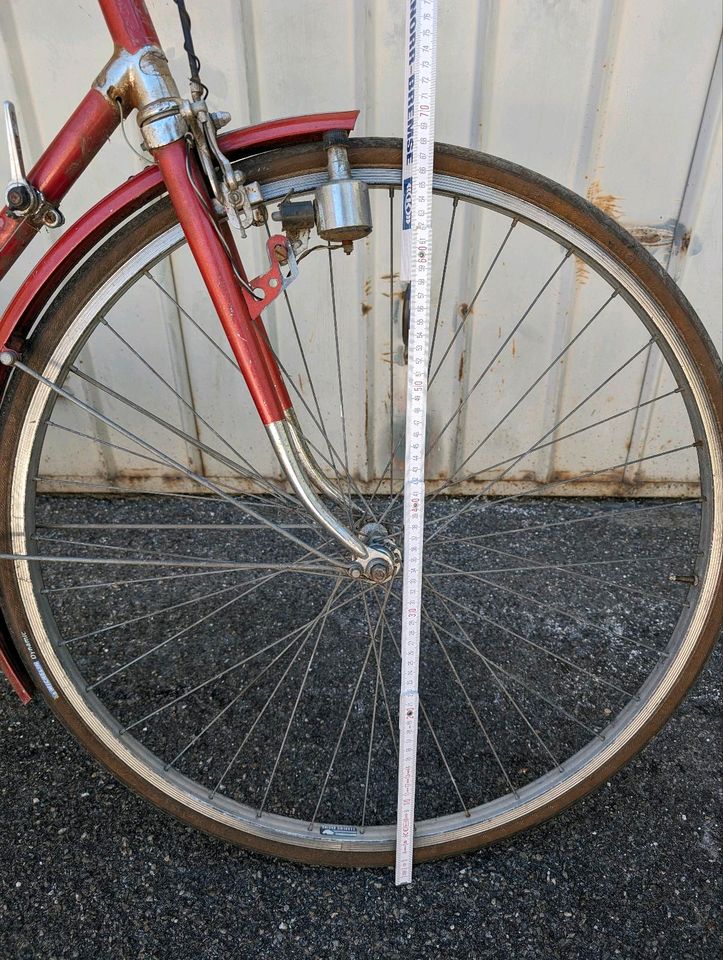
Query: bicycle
[213, 611]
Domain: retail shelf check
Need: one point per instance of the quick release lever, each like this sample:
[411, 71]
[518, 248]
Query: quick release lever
[22, 199]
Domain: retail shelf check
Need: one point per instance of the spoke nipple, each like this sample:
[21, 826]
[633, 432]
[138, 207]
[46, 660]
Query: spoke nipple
[8, 357]
[378, 571]
[683, 578]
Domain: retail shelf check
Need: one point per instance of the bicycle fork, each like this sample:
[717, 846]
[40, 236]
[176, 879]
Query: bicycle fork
[239, 304]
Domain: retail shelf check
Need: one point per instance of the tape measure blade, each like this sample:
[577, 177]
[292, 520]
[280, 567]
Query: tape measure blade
[417, 235]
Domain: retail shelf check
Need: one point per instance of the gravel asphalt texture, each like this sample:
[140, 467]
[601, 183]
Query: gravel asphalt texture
[89, 870]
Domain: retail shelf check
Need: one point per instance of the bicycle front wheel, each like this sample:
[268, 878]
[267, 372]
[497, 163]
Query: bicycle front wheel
[199, 633]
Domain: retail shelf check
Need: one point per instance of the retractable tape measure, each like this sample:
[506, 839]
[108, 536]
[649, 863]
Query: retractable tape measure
[418, 162]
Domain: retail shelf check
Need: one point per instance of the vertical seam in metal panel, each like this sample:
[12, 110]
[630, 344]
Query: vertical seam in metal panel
[94, 397]
[607, 37]
[700, 159]
[14, 53]
[247, 25]
[487, 34]
[177, 343]
[28, 117]
[364, 66]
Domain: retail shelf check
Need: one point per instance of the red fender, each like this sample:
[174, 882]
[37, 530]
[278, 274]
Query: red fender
[77, 242]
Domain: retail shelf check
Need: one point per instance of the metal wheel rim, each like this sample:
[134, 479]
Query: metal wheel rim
[539, 793]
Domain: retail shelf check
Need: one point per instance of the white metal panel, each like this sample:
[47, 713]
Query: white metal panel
[615, 98]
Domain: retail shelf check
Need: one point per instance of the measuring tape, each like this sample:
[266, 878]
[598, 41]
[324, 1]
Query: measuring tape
[416, 268]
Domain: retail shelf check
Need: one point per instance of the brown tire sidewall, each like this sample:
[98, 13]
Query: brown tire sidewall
[71, 296]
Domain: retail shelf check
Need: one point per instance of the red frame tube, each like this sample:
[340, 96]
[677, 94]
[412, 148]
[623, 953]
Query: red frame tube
[62, 163]
[78, 141]
[79, 238]
[129, 23]
[220, 280]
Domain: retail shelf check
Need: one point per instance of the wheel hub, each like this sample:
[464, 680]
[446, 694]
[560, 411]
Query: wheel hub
[384, 560]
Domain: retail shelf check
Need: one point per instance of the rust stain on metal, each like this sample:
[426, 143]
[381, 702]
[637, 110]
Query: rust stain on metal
[398, 294]
[514, 347]
[465, 310]
[460, 372]
[650, 237]
[366, 308]
[582, 271]
[607, 202]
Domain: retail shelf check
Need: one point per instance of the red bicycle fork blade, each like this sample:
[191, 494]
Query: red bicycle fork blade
[237, 309]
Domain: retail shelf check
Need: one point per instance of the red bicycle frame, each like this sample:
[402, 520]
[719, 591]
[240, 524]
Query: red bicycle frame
[137, 77]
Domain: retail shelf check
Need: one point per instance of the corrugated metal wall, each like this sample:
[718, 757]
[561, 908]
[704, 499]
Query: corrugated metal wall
[618, 99]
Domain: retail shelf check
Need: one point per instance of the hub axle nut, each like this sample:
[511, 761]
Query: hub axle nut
[378, 571]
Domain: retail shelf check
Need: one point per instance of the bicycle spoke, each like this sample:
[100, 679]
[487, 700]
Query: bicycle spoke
[203, 481]
[548, 433]
[548, 606]
[392, 448]
[550, 443]
[498, 352]
[345, 723]
[240, 663]
[231, 703]
[467, 312]
[333, 452]
[599, 515]
[259, 715]
[535, 383]
[380, 675]
[334, 457]
[218, 565]
[462, 403]
[448, 247]
[552, 485]
[342, 412]
[175, 636]
[378, 658]
[488, 666]
[258, 501]
[304, 678]
[541, 647]
[427, 720]
[235, 527]
[261, 712]
[471, 706]
[575, 573]
[159, 611]
[105, 584]
[557, 566]
[397, 445]
[493, 666]
[272, 488]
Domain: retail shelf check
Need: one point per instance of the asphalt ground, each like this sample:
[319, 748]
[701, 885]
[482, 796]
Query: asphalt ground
[89, 870]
